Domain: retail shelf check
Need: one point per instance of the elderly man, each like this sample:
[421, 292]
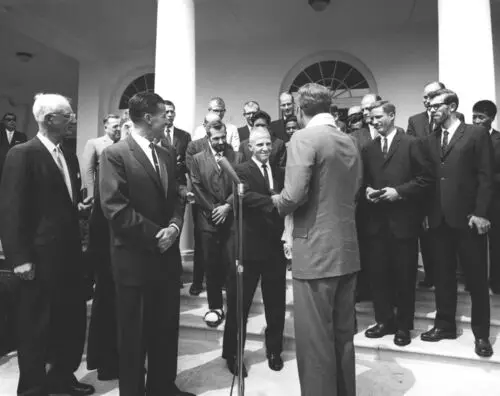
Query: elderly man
[218, 107]
[39, 205]
[322, 178]
[287, 109]
[263, 253]
[249, 109]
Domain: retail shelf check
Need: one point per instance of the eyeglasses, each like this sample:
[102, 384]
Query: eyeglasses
[9, 119]
[436, 106]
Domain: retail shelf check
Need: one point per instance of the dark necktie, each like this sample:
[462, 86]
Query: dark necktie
[155, 158]
[384, 147]
[444, 145]
[167, 137]
[431, 125]
[266, 177]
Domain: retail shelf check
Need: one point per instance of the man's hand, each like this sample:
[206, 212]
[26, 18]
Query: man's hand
[482, 225]
[190, 198]
[219, 214]
[25, 271]
[370, 191]
[86, 204]
[390, 194]
[166, 237]
[275, 198]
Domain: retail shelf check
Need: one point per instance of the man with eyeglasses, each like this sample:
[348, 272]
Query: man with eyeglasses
[249, 109]
[458, 218]
[217, 106]
[9, 136]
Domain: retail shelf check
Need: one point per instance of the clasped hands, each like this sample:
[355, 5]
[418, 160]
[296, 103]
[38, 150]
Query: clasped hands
[482, 225]
[219, 214]
[387, 194]
[166, 237]
[86, 204]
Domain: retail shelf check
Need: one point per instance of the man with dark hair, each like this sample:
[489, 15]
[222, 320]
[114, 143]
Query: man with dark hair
[287, 109]
[261, 119]
[483, 114]
[354, 119]
[141, 201]
[322, 178]
[213, 192]
[9, 136]
[249, 109]
[458, 218]
[397, 178]
[291, 126]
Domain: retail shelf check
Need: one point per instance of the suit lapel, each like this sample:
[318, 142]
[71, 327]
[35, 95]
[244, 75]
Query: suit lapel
[394, 146]
[141, 157]
[175, 139]
[73, 175]
[459, 133]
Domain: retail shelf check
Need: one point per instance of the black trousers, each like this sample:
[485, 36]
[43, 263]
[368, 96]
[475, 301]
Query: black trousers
[494, 246]
[363, 285]
[471, 250]
[272, 274]
[198, 266]
[51, 329]
[218, 251]
[148, 324]
[427, 256]
[393, 270]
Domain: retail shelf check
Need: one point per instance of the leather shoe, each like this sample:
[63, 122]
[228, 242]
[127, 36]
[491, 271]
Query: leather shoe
[380, 330]
[232, 365]
[275, 361]
[436, 334]
[195, 290]
[483, 347]
[75, 388]
[426, 283]
[402, 338]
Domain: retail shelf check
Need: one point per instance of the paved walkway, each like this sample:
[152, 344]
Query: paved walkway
[203, 372]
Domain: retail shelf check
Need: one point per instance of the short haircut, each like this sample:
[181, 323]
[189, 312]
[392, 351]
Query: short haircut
[438, 83]
[261, 114]
[143, 103]
[169, 103]
[449, 96]
[45, 104]
[258, 131]
[387, 106]
[219, 101]
[9, 114]
[108, 117]
[486, 107]
[375, 97]
[291, 118]
[288, 93]
[251, 103]
[218, 125]
[314, 99]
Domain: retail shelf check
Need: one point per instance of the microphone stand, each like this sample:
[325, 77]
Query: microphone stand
[238, 191]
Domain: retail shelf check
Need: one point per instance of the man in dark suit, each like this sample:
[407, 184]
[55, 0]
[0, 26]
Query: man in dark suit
[397, 176]
[9, 136]
[249, 109]
[483, 114]
[458, 218]
[213, 192]
[287, 109]
[39, 205]
[278, 151]
[263, 254]
[140, 199]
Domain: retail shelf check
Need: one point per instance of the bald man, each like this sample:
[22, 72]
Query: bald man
[287, 109]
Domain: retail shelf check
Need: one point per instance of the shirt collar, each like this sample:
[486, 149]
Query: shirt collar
[453, 127]
[46, 142]
[491, 130]
[141, 141]
[390, 136]
[322, 119]
[258, 163]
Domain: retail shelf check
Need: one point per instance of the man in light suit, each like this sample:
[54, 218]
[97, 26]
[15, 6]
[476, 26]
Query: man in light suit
[39, 205]
[9, 136]
[249, 109]
[102, 348]
[140, 199]
[322, 178]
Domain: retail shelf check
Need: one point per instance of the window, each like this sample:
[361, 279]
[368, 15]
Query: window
[145, 83]
[343, 79]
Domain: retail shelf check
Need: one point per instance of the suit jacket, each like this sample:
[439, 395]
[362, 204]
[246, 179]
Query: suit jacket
[90, 161]
[277, 128]
[262, 224]
[233, 138]
[418, 124]
[39, 219]
[322, 178]
[244, 133]
[194, 147]
[278, 152]
[5, 146]
[407, 168]
[464, 176]
[138, 203]
[363, 137]
[181, 140]
[212, 186]
[495, 207]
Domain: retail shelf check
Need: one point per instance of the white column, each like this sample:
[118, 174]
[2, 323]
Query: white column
[466, 63]
[175, 77]
[88, 112]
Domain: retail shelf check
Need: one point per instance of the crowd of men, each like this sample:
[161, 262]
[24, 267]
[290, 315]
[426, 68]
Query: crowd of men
[365, 195]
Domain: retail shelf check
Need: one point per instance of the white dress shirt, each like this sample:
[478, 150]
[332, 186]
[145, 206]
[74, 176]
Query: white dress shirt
[389, 137]
[321, 119]
[170, 133]
[10, 135]
[232, 137]
[268, 169]
[451, 131]
[56, 153]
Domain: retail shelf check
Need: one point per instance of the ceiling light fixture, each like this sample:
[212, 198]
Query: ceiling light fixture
[319, 5]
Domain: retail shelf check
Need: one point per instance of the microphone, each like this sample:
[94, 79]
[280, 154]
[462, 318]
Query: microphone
[226, 167]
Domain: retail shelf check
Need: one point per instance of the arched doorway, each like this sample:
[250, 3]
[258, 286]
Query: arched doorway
[144, 83]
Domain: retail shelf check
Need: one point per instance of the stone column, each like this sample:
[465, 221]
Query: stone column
[175, 77]
[466, 63]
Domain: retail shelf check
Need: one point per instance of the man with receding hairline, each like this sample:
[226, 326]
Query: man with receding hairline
[287, 109]
[249, 109]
